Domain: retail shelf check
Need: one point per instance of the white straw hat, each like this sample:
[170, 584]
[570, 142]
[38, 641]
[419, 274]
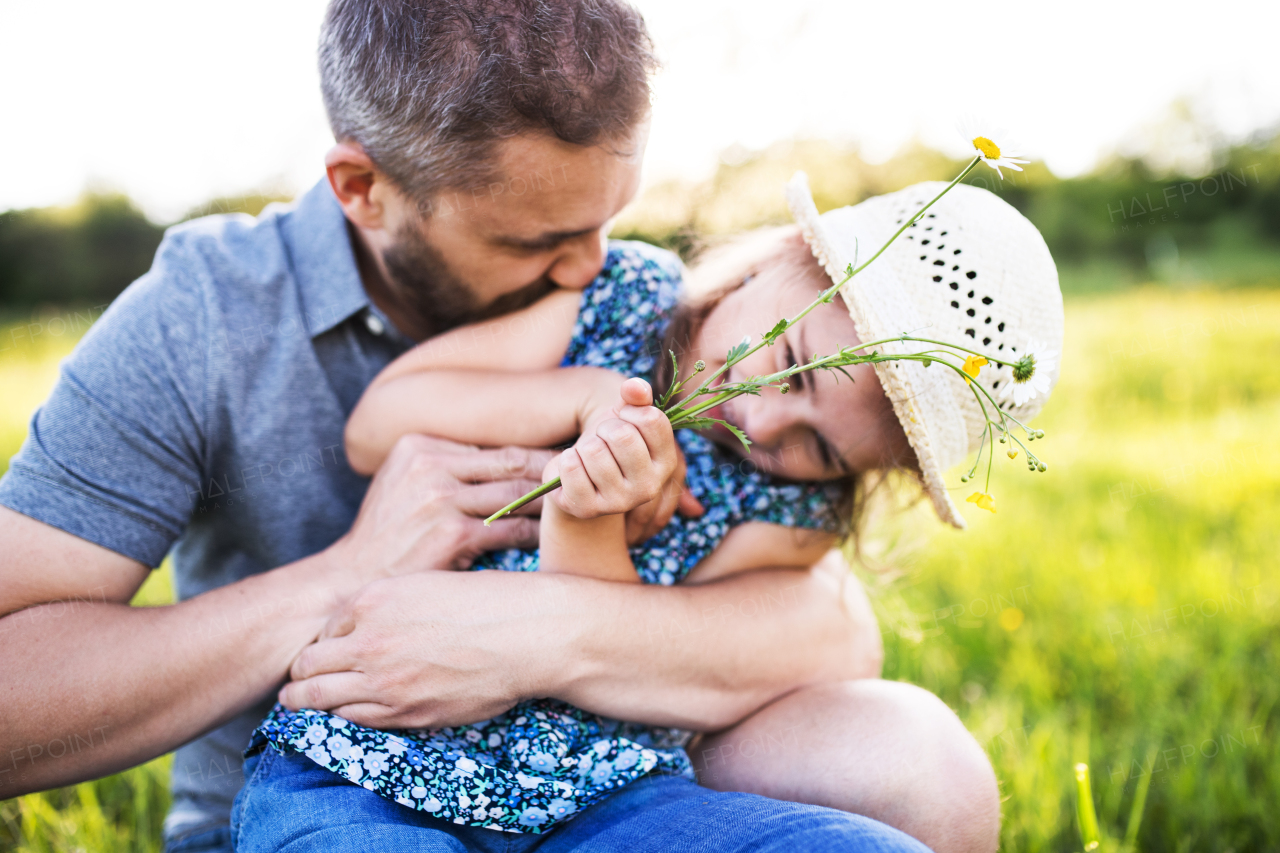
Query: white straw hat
[973, 271]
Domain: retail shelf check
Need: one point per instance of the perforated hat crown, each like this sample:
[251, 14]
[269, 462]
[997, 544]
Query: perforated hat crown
[973, 271]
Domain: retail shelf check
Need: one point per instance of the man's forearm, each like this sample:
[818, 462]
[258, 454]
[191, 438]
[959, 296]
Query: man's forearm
[703, 657]
[91, 688]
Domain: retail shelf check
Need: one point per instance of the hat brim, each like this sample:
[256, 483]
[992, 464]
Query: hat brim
[876, 316]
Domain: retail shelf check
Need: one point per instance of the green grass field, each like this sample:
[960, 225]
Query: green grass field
[1116, 611]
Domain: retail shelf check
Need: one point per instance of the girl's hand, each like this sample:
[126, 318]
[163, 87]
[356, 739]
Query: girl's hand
[624, 461]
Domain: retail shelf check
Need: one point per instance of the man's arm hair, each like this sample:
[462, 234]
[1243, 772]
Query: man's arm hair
[92, 686]
[700, 657]
[705, 656]
[144, 680]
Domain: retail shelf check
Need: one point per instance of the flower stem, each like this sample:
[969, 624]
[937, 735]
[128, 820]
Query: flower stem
[690, 407]
[919, 213]
[545, 488]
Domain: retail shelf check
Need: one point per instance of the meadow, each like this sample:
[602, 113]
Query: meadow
[1118, 610]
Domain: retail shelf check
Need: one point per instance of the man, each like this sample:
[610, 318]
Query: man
[482, 150]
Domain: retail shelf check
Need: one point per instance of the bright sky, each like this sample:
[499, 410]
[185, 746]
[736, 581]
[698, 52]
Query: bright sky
[174, 102]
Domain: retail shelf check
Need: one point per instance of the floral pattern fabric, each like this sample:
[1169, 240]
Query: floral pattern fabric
[543, 761]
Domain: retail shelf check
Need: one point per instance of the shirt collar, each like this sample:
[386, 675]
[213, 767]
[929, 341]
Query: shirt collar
[324, 264]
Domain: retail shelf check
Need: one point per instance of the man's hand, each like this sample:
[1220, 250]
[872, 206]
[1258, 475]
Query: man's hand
[432, 649]
[436, 649]
[424, 508]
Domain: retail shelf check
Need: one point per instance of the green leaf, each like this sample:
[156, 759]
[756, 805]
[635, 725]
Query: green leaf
[840, 368]
[742, 436]
[775, 333]
[704, 423]
[675, 385]
[735, 355]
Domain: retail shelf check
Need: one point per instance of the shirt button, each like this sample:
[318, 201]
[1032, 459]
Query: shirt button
[374, 324]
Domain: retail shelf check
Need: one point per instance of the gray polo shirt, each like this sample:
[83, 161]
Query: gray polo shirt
[202, 417]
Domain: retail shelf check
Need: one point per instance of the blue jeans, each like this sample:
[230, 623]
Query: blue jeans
[291, 804]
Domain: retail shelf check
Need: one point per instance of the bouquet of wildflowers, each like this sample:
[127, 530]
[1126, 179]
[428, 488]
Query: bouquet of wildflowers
[687, 408]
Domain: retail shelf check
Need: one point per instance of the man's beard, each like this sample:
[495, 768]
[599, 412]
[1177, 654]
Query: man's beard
[437, 297]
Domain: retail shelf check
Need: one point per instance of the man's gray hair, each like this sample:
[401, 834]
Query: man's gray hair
[429, 87]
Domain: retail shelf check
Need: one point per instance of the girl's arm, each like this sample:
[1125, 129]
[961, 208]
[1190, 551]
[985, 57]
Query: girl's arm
[533, 338]
[419, 391]
[597, 547]
[758, 545]
[592, 547]
[583, 529]
[483, 407]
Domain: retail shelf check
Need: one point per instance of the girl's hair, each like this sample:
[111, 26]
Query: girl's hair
[779, 253]
[774, 254]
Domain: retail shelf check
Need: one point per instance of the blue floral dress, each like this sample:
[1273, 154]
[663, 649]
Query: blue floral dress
[543, 760]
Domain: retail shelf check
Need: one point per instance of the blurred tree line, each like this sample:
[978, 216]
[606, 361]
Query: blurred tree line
[1125, 222]
[86, 253]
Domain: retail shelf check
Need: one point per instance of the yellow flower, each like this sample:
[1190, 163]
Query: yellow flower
[1010, 618]
[983, 500]
[972, 365]
[1013, 454]
[983, 139]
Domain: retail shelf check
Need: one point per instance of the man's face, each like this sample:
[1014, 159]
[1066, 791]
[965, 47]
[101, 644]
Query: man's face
[496, 247]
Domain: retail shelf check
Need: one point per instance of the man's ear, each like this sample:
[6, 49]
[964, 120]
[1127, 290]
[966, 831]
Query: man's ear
[357, 184]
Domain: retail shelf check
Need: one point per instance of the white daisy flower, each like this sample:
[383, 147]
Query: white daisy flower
[993, 146]
[1044, 361]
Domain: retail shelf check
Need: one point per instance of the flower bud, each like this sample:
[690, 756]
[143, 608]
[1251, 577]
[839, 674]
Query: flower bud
[699, 366]
[1024, 368]
[784, 387]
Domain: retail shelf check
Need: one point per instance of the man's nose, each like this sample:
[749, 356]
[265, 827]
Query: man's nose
[580, 261]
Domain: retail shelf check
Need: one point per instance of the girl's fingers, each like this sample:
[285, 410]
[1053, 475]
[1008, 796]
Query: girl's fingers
[606, 475]
[631, 453]
[636, 392]
[576, 491]
[656, 430]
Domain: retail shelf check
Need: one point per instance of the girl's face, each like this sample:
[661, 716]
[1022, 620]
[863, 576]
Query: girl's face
[825, 427]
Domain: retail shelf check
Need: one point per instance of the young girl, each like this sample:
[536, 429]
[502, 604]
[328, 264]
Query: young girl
[559, 369]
